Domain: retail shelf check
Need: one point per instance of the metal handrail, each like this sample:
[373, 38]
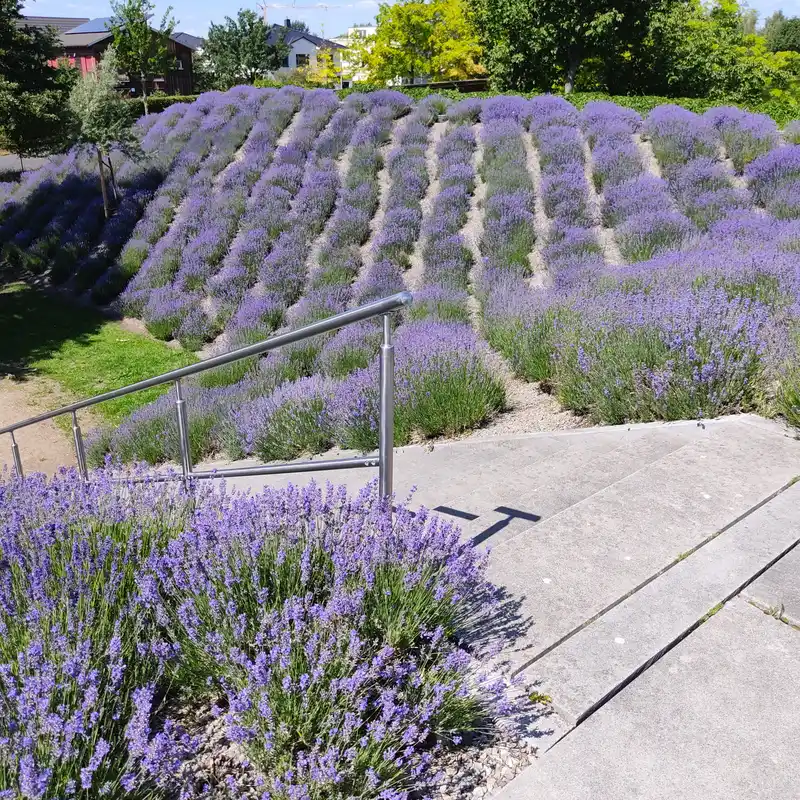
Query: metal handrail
[384, 461]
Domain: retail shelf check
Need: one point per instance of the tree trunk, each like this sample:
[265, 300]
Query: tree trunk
[21, 163]
[144, 92]
[103, 187]
[573, 62]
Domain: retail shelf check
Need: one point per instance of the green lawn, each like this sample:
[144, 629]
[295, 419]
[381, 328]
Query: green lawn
[83, 351]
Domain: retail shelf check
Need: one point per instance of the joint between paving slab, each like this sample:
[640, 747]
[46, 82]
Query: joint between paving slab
[775, 613]
[525, 665]
[689, 630]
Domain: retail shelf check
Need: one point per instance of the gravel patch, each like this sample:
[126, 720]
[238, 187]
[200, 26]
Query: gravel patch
[541, 222]
[384, 184]
[479, 766]
[413, 276]
[528, 408]
[611, 251]
[737, 181]
[648, 156]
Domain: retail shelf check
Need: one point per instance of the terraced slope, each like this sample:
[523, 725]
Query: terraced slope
[636, 269]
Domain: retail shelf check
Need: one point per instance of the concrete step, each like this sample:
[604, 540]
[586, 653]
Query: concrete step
[577, 564]
[601, 658]
[715, 719]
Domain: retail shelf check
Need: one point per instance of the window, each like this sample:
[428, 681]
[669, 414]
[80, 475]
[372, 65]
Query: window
[285, 62]
[302, 59]
[178, 64]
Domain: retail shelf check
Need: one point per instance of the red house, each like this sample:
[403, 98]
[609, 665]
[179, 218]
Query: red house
[84, 40]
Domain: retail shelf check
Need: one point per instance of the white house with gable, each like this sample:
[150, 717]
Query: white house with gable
[358, 33]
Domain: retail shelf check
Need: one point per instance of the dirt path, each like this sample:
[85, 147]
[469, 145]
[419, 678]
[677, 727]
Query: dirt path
[529, 409]
[541, 222]
[43, 447]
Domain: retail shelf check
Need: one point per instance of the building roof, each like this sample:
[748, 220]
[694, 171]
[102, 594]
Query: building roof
[97, 25]
[83, 39]
[291, 35]
[189, 40]
[61, 24]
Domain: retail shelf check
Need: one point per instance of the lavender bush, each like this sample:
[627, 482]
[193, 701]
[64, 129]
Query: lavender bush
[323, 631]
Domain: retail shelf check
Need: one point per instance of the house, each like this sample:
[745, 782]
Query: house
[305, 47]
[194, 43]
[84, 40]
[351, 71]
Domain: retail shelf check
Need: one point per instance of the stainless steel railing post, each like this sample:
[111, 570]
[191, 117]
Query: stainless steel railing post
[15, 455]
[80, 452]
[183, 432]
[386, 430]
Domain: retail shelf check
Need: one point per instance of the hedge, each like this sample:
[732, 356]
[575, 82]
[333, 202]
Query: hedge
[781, 110]
[158, 103]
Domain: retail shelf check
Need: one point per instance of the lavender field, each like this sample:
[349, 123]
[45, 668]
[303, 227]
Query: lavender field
[638, 269]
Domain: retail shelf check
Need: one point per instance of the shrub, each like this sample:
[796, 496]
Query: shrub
[323, 629]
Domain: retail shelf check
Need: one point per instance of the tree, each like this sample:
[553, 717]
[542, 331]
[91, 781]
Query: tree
[534, 43]
[298, 25]
[142, 52]
[102, 119]
[749, 21]
[33, 94]
[772, 24]
[240, 50]
[787, 37]
[697, 50]
[413, 38]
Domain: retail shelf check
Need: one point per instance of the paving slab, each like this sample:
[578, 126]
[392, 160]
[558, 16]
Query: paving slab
[582, 672]
[553, 485]
[777, 591]
[718, 718]
[575, 565]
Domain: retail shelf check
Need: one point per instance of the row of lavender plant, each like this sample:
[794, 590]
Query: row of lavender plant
[573, 248]
[146, 229]
[287, 195]
[447, 260]
[299, 415]
[165, 289]
[168, 140]
[151, 433]
[688, 147]
[635, 202]
[443, 384]
[318, 632]
[76, 199]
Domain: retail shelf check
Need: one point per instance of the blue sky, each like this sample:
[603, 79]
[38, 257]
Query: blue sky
[329, 18]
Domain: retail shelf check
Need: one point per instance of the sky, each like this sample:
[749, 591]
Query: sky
[329, 18]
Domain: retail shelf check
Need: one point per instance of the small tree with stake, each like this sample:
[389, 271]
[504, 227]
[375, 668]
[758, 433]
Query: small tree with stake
[142, 51]
[102, 121]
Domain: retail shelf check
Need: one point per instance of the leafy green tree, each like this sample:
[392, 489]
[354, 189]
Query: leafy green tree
[696, 50]
[534, 43]
[772, 24]
[33, 94]
[142, 52]
[298, 25]
[787, 37]
[749, 21]
[102, 120]
[239, 50]
[413, 39]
